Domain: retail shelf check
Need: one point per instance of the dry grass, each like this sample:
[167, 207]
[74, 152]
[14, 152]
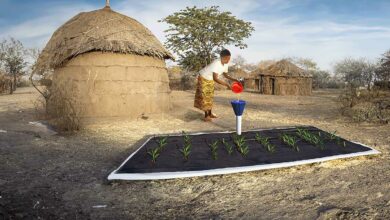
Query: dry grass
[59, 110]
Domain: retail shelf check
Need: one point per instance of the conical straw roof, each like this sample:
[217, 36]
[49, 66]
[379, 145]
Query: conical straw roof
[99, 30]
[283, 68]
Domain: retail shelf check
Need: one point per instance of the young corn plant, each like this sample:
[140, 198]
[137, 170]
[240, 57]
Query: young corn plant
[265, 142]
[311, 138]
[333, 136]
[186, 150]
[187, 138]
[240, 142]
[154, 154]
[214, 148]
[228, 147]
[162, 141]
[290, 141]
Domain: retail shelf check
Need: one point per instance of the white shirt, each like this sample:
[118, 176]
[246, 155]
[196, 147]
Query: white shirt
[215, 67]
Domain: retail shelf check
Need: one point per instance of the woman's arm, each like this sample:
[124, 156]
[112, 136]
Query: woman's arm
[216, 79]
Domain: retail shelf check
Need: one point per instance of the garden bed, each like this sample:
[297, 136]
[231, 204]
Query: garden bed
[201, 154]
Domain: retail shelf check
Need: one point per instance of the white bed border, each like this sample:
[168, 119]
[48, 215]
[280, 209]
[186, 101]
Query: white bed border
[181, 174]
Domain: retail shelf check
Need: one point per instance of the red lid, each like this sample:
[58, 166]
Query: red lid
[237, 87]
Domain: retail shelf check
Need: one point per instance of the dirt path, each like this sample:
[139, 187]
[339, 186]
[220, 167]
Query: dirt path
[63, 177]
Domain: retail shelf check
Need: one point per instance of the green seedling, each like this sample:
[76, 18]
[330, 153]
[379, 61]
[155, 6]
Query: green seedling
[332, 136]
[311, 138]
[187, 138]
[214, 147]
[154, 154]
[162, 141]
[228, 147]
[244, 150]
[186, 150]
[290, 141]
[265, 142]
[240, 142]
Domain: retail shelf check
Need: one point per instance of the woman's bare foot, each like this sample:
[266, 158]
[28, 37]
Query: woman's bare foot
[213, 115]
[208, 118]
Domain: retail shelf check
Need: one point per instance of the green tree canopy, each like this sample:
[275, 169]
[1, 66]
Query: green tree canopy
[196, 35]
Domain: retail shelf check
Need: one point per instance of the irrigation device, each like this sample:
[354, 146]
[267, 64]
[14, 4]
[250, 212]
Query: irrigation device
[238, 106]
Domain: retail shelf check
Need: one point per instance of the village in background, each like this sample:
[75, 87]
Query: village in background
[363, 84]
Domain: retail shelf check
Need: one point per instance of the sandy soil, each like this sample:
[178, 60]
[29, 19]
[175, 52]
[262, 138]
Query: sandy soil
[46, 176]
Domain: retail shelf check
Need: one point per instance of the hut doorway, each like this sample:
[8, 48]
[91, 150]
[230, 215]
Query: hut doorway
[273, 86]
[257, 84]
[260, 85]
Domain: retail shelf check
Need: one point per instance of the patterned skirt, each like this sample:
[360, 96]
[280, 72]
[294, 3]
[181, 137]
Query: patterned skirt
[204, 94]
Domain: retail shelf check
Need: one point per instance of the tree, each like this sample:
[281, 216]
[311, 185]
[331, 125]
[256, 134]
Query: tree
[239, 61]
[12, 57]
[382, 73]
[196, 35]
[356, 72]
[305, 63]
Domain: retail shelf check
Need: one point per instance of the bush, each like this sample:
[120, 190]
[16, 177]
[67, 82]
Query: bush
[364, 105]
[383, 85]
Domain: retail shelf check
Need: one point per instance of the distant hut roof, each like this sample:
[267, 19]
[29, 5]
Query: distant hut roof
[100, 30]
[282, 68]
[239, 72]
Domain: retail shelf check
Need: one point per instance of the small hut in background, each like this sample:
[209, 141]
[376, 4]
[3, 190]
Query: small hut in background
[280, 78]
[106, 65]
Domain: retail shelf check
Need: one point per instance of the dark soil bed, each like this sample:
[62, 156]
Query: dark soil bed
[171, 158]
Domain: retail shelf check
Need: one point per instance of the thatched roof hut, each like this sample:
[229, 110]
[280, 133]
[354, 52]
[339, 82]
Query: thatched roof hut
[106, 64]
[101, 30]
[280, 78]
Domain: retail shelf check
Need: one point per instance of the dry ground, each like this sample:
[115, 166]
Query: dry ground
[63, 177]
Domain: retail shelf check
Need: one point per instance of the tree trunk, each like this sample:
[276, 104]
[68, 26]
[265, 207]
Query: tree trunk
[11, 89]
[14, 87]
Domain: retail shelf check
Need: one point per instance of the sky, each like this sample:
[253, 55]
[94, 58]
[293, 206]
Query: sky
[325, 31]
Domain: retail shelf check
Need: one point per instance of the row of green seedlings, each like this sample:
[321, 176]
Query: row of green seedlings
[241, 145]
[239, 141]
[312, 138]
[263, 140]
[155, 152]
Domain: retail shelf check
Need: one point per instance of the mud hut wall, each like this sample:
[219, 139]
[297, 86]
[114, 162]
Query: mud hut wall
[293, 86]
[250, 84]
[111, 85]
[286, 85]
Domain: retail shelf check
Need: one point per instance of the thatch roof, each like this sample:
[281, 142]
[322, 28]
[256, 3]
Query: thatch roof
[100, 30]
[238, 72]
[282, 68]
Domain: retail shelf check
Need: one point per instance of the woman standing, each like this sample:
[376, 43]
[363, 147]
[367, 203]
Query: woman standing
[205, 88]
